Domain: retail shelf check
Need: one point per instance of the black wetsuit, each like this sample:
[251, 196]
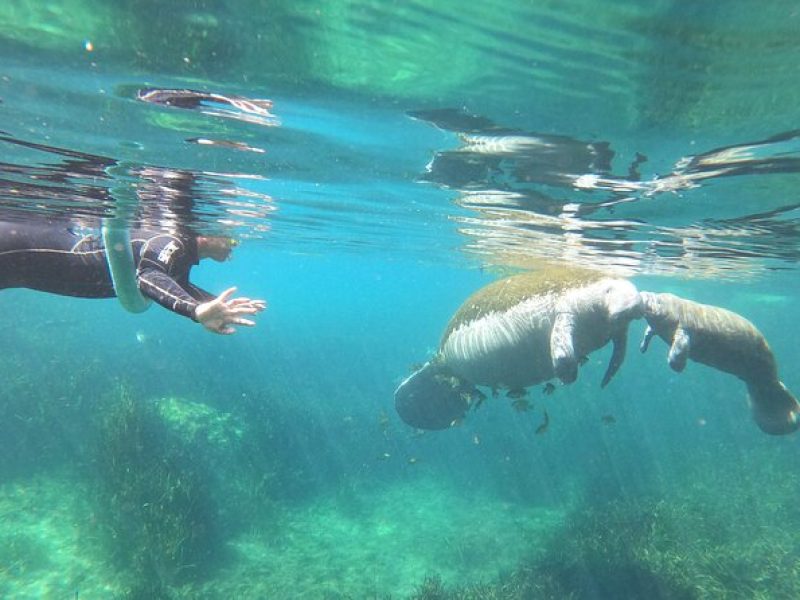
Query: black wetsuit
[57, 257]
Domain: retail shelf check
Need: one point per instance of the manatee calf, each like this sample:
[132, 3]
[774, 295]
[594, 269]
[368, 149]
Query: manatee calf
[517, 332]
[726, 341]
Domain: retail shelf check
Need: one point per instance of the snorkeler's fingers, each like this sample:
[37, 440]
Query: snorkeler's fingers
[258, 304]
[222, 329]
[246, 309]
[245, 322]
[242, 310]
[239, 302]
[223, 297]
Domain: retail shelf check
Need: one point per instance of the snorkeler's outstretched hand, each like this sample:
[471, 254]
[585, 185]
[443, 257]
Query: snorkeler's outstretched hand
[223, 312]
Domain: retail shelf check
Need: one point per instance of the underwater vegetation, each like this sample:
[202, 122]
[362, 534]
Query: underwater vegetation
[38, 395]
[159, 517]
[209, 494]
[179, 480]
[427, 50]
[713, 537]
[198, 498]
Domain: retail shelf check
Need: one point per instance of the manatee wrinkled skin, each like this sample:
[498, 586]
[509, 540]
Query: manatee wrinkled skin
[728, 342]
[529, 328]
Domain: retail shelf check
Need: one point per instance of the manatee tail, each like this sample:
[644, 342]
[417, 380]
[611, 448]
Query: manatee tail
[775, 409]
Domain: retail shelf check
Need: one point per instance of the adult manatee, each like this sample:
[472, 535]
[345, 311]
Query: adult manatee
[517, 332]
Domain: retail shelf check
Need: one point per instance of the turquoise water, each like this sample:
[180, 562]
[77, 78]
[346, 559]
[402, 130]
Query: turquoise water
[412, 153]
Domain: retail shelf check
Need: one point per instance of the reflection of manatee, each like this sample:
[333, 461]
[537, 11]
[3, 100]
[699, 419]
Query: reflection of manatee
[524, 330]
[726, 341]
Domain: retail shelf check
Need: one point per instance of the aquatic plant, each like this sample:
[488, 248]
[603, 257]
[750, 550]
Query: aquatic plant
[199, 424]
[159, 517]
[20, 554]
[431, 588]
[43, 410]
[237, 461]
[54, 26]
[715, 534]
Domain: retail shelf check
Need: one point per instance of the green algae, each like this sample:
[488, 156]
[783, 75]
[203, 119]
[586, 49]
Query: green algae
[21, 555]
[506, 293]
[186, 123]
[154, 498]
[402, 531]
[48, 540]
[426, 540]
[195, 422]
[690, 543]
[666, 63]
[60, 26]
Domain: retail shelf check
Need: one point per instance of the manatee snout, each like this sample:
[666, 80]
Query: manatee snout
[623, 301]
[432, 398]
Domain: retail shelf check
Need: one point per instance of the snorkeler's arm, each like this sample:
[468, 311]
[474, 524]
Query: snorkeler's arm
[218, 314]
[158, 285]
[163, 262]
[164, 254]
[199, 293]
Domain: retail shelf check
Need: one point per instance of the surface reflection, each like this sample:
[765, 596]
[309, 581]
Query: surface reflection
[535, 197]
[64, 183]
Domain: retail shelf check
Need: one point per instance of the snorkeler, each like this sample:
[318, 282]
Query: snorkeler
[52, 255]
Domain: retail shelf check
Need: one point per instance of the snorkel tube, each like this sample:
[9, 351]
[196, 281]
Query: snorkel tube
[119, 253]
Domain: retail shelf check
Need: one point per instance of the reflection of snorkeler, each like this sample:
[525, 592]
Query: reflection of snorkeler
[52, 256]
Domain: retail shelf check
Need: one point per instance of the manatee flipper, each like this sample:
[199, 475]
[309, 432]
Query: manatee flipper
[562, 351]
[620, 342]
[679, 351]
[649, 333]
